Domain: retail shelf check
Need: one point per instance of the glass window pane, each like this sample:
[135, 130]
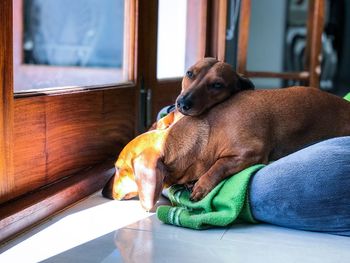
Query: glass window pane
[266, 39]
[69, 43]
[171, 38]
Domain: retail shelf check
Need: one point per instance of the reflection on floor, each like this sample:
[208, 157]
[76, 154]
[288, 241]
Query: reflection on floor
[99, 230]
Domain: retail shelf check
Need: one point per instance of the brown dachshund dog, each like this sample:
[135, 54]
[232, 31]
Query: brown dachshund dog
[205, 84]
[247, 128]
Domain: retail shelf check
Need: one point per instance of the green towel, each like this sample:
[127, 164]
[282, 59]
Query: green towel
[347, 97]
[225, 204]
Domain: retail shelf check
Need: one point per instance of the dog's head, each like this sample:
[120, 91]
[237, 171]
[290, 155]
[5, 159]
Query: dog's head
[139, 169]
[206, 83]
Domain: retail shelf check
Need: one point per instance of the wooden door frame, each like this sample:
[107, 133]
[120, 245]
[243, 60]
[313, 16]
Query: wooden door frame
[21, 212]
[94, 165]
[216, 31]
[6, 98]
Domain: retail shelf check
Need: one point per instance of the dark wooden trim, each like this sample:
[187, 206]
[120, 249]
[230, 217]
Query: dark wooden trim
[73, 90]
[146, 56]
[304, 75]
[221, 30]
[6, 99]
[216, 30]
[314, 44]
[18, 215]
[243, 35]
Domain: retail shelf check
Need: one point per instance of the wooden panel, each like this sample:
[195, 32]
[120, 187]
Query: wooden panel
[74, 134]
[315, 29]
[56, 136]
[216, 34]
[221, 31]
[165, 94]
[303, 75]
[118, 125]
[146, 55]
[29, 145]
[6, 99]
[243, 36]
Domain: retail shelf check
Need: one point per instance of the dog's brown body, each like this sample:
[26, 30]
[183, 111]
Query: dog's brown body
[245, 127]
[249, 128]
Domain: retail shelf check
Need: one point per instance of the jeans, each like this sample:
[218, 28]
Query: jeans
[309, 189]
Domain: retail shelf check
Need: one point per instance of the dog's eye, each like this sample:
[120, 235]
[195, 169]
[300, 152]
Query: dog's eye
[217, 85]
[190, 74]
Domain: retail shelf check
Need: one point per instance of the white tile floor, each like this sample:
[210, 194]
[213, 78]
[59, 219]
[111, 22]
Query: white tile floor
[99, 230]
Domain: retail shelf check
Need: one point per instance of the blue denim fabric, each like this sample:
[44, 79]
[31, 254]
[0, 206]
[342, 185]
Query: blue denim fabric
[309, 189]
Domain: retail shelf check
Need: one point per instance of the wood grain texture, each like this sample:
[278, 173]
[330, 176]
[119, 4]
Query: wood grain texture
[304, 75]
[29, 145]
[57, 136]
[221, 31]
[74, 133]
[315, 29]
[6, 99]
[216, 28]
[243, 36]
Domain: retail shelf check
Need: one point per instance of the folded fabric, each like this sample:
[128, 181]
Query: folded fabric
[347, 97]
[225, 204]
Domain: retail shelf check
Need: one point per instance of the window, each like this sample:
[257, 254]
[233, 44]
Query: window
[181, 36]
[63, 43]
[57, 149]
[171, 38]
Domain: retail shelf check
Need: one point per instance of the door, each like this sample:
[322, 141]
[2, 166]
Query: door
[79, 80]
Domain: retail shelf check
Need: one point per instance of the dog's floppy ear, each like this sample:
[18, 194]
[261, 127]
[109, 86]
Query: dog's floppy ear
[245, 83]
[149, 172]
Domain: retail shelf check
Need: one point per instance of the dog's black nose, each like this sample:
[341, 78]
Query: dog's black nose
[184, 104]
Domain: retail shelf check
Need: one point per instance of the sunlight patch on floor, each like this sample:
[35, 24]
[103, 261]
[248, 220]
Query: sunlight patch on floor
[74, 229]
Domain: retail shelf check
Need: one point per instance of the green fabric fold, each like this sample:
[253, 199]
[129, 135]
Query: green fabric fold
[227, 203]
[347, 97]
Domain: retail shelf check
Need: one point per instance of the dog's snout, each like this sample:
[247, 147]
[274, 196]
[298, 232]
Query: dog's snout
[184, 104]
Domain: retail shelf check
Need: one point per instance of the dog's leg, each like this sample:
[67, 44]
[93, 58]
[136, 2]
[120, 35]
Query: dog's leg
[223, 168]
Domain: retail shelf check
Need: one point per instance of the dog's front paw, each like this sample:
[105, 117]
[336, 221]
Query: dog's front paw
[200, 190]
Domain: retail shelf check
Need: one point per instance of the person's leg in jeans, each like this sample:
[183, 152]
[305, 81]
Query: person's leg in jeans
[309, 189]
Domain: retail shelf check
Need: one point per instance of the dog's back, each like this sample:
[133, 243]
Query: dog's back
[287, 119]
[250, 127]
